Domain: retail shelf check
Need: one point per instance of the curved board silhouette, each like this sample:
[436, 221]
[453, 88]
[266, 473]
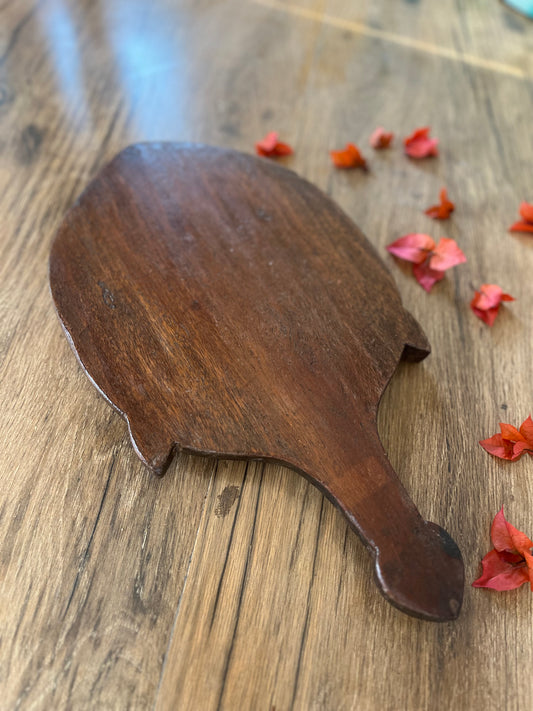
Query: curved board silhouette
[225, 306]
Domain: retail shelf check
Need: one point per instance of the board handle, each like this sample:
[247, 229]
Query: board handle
[418, 566]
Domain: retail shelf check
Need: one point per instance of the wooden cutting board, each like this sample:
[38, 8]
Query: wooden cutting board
[225, 306]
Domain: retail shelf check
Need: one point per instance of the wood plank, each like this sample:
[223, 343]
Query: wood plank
[92, 549]
[487, 37]
[297, 622]
[228, 616]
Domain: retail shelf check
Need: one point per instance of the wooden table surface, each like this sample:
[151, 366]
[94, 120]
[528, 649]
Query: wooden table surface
[231, 585]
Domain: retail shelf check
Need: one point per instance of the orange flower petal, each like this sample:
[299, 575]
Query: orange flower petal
[510, 433]
[270, 146]
[526, 430]
[442, 211]
[526, 212]
[348, 158]
[521, 227]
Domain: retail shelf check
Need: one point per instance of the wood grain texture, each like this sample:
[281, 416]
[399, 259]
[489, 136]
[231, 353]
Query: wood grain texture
[295, 621]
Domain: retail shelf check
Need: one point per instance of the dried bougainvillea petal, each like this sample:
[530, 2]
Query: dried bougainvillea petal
[381, 138]
[420, 145]
[486, 302]
[444, 209]
[349, 157]
[526, 223]
[271, 147]
[510, 443]
[510, 563]
[430, 260]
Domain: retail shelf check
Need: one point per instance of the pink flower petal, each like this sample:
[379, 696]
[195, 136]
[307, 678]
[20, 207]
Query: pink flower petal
[419, 145]
[381, 138]
[414, 247]
[446, 255]
[426, 276]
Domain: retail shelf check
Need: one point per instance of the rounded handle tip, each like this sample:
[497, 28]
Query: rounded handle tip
[425, 576]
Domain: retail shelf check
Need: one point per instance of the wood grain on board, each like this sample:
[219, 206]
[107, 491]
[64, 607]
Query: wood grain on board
[231, 585]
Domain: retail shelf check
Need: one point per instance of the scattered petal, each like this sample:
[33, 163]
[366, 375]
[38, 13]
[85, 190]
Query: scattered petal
[499, 447]
[446, 255]
[430, 260]
[381, 138]
[526, 224]
[526, 430]
[521, 227]
[350, 157]
[511, 443]
[414, 247]
[510, 563]
[271, 147]
[501, 574]
[526, 211]
[510, 433]
[442, 211]
[529, 562]
[426, 276]
[505, 537]
[486, 302]
[420, 145]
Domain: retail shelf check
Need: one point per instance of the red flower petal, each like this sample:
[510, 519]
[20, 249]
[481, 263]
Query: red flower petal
[519, 448]
[506, 537]
[511, 443]
[521, 227]
[420, 145]
[270, 146]
[380, 138]
[414, 247]
[442, 211]
[526, 430]
[526, 211]
[500, 574]
[498, 447]
[350, 157]
[446, 255]
[529, 562]
[510, 433]
[488, 316]
[510, 563]
[486, 302]
[426, 276]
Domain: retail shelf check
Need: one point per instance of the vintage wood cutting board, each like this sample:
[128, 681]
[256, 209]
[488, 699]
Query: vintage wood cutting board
[225, 306]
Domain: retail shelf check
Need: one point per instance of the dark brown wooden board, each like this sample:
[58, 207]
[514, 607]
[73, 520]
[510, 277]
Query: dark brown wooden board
[225, 306]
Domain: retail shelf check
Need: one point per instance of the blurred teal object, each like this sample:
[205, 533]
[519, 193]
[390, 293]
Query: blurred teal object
[524, 6]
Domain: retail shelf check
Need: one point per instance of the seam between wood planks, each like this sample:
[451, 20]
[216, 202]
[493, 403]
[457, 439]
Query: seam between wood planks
[229, 652]
[189, 563]
[409, 42]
